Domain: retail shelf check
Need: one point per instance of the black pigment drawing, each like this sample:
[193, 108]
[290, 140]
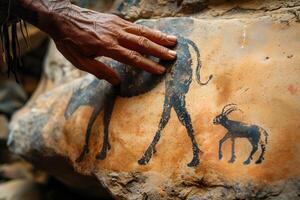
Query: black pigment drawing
[177, 85]
[101, 96]
[255, 134]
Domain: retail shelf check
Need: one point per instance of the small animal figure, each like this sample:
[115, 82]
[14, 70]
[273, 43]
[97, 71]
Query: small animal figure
[255, 134]
[177, 85]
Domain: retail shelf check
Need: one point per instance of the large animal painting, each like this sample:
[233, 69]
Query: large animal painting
[177, 85]
[100, 97]
[177, 81]
[235, 129]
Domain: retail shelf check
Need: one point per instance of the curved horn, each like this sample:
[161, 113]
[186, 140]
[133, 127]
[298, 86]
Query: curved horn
[230, 110]
[231, 104]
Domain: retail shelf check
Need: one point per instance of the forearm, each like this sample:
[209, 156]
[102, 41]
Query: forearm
[44, 14]
[82, 35]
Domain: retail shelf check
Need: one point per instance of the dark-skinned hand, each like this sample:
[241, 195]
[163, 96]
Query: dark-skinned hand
[82, 35]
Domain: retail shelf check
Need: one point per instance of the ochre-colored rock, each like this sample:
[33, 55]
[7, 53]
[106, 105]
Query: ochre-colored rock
[144, 9]
[254, 64]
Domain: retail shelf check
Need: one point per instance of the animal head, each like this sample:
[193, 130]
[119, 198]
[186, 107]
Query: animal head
[227, 109]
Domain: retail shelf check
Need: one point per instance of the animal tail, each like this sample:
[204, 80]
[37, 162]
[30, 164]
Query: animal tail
[266, 135]
[199, 64]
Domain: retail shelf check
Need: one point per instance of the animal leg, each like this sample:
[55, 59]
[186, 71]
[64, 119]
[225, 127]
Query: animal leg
[185, 119]
[227, 135]
[232, 159]
[263, 143]
[106, 120]
[254, 149]
[163, 122]
[85, 149]
[261, 157]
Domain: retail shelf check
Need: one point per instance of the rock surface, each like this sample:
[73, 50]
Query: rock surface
[254, 64]
[19, 190]
[144, 9]
[3, 128]
[12, 97]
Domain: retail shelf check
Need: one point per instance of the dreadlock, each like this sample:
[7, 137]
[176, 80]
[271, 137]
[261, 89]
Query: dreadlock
[9, 38]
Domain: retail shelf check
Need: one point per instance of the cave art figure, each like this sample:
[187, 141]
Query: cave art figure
[177, 81]
[177, 85]
[255, 134]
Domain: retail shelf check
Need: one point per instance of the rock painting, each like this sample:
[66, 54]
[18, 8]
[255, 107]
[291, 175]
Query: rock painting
[93, 95]
[177, 85]
[178, 79]
[235, 129]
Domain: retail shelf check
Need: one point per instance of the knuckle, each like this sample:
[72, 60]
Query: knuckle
[112, 45]
[111, 48]
[107, 42]
[110, 27]
[142, 30]
[115, 18]
[132, 55]
[129, 28]
[161, 36]
[143, 42]
[118, 34]
[164, 50]
[112, 18]
[124, 36]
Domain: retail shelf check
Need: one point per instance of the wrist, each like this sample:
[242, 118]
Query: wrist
[44, 14]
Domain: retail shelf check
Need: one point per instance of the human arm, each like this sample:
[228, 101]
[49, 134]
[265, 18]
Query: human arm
[81, 35]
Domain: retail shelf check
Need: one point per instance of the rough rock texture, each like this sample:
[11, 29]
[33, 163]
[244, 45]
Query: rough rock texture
[137, 9]
[12, 97]
[22, 170]
[3, 127]
[19, 190]
[254, 63]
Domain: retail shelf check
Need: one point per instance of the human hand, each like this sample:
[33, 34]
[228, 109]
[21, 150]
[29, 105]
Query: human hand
[81, 35]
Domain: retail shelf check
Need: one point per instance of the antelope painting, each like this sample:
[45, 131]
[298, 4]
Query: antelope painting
[255, 134]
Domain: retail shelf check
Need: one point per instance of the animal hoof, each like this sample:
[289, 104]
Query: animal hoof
[154, 150]
[193, 163]
[101, 155]
[259, 161]
[220, 156]
[82, 155]
[79, 159]
[246, 162]
[142, 161]
[146, 157]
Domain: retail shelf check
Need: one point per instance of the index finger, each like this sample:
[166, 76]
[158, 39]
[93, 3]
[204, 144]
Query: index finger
[134, 59]
[153, 35]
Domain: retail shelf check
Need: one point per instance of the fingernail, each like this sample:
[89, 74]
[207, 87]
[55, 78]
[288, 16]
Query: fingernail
[161, 70]
[172, 53]
[172, 38]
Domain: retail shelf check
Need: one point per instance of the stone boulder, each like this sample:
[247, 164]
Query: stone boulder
[145, 9]
[222, 123]
[19, 190]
